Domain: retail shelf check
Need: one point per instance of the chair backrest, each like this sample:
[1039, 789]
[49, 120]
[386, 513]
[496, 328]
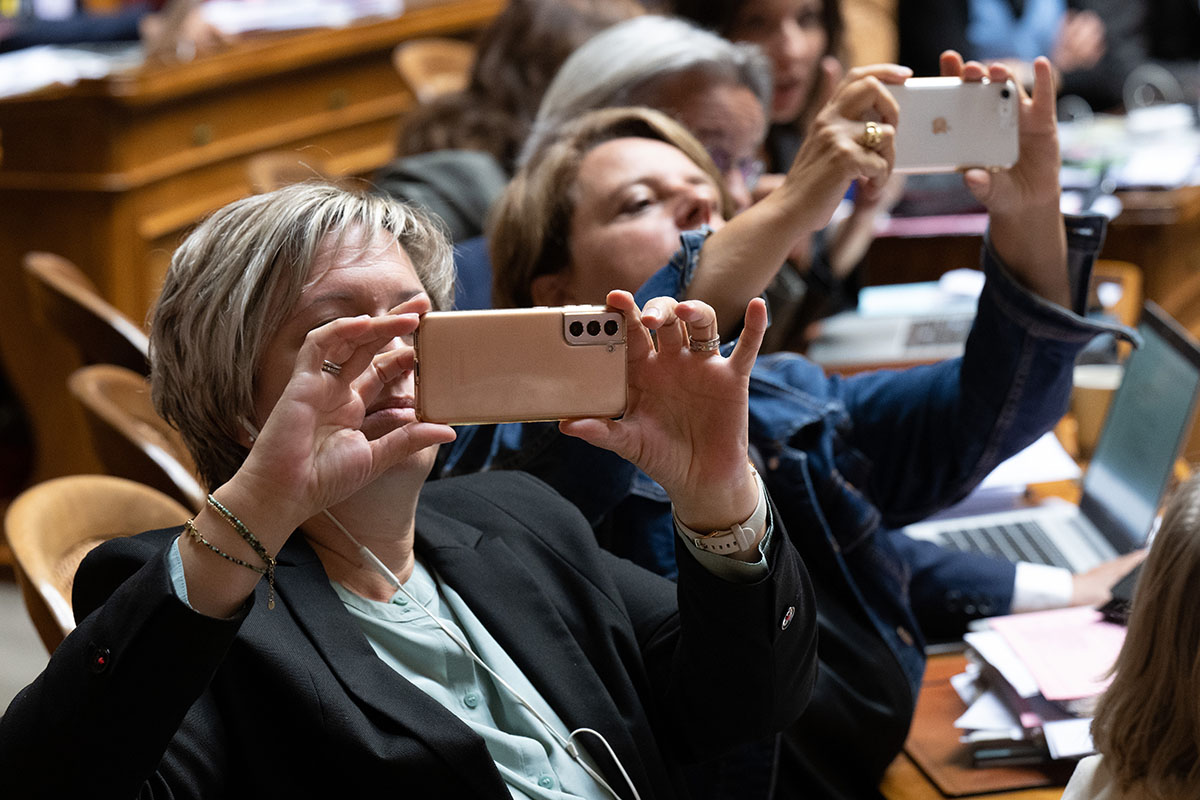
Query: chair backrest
[52, 525]
[66, 300]
[432, 66]
[129, 436]
[1125, 304]
[275, 169]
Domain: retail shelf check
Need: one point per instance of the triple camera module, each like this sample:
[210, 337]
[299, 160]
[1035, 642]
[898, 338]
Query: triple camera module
[585, 328]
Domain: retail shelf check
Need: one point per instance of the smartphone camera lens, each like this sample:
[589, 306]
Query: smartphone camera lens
[593, 328]
[611, 327]
[1005, 93]
[576, 328]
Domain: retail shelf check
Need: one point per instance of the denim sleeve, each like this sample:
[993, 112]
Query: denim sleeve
[924, 437]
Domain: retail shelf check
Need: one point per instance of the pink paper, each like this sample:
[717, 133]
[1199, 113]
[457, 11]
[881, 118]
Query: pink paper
[1067, 650]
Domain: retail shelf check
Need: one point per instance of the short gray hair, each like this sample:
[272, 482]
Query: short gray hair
[614, 65]
[234, 280]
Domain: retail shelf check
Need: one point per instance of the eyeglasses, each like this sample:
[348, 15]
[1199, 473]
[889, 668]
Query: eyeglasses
[749, 167]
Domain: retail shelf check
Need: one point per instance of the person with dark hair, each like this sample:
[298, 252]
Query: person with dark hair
[455, 153]
[803, 42]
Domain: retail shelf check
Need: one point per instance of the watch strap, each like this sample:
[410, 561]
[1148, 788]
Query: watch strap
[736, 538]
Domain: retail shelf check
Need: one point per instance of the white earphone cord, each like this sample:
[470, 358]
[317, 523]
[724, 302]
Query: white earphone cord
[567, 743]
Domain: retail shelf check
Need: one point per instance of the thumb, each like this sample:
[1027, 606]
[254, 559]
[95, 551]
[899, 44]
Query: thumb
[979, 183]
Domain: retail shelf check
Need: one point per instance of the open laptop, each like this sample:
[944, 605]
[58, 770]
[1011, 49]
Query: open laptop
[1147, 424]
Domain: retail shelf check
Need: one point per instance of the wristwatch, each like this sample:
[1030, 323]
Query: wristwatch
[736, 538]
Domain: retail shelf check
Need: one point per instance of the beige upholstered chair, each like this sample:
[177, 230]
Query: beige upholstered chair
[52, 525]
[67, 301]
[129, 436]
[432, 66]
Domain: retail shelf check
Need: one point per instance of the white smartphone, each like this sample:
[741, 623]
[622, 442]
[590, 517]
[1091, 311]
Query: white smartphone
[520, 365]
[947, 125]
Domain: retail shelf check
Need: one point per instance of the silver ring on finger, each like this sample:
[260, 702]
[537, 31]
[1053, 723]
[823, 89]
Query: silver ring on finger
[704, 345]
[331, 368]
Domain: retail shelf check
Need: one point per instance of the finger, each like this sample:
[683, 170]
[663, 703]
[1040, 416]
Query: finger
[950, 64]
[979, 184]
[402, 442]
[385, 367]
[888, 73]
[602, 433]
[700, 323]
[856, 100]
[352, 343]
[1043, 88]
[831, 77]
[638, 342]
[658, 312]
[671, 332]
[746, 350]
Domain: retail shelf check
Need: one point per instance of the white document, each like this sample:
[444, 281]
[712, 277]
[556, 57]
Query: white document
[1069, 738]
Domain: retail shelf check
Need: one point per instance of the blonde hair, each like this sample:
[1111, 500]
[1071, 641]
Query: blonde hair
[235, 279]
[1147, 723]
[531, 222]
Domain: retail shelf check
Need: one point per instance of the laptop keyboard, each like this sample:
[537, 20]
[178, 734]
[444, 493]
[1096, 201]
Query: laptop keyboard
[1018, 541]
[938, 331]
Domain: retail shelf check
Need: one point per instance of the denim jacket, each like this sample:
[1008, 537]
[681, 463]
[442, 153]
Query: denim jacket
[848, 461]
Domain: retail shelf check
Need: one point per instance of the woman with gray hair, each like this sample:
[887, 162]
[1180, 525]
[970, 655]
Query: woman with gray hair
[718, 90]
[464, 639]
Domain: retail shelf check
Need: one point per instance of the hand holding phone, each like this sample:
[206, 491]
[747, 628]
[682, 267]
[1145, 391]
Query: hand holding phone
[947, 124]
[520, 365]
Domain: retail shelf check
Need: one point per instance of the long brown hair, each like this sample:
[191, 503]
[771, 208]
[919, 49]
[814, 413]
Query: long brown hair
[1147, 723]
[517, 56]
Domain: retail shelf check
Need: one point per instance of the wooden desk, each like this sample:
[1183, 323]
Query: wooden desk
[1158, 231]
[111, 173]
[905, 780]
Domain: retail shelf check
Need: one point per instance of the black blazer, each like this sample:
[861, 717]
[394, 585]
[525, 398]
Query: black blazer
[147, 698]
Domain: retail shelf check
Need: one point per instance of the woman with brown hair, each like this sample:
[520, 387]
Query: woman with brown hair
[621, 192]
[1147, 724]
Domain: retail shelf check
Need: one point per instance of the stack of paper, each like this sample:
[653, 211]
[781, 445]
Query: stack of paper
[1033, 684]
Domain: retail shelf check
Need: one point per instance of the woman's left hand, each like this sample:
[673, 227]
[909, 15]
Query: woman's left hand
[685, 423]
[1024, 223]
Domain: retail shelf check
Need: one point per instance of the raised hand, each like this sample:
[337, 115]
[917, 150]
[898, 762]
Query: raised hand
[1026, 227]
[314, 450]
[835, 151]
[686, 421]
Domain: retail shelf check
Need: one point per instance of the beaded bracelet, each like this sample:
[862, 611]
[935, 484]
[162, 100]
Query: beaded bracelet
[194, 532]
[268, 560]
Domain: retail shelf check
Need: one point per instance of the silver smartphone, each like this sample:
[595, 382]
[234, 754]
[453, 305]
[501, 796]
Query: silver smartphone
[520, 365]
[947, 125]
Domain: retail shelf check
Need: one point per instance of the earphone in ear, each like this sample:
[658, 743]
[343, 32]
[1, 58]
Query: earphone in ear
[251, 431]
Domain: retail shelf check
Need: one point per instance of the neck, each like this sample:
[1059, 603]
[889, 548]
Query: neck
[386, 527]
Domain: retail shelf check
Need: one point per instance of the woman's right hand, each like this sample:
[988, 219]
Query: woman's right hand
[834, 154]
[311, 452]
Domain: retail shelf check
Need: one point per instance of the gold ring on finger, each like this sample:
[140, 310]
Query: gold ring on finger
[872, 135]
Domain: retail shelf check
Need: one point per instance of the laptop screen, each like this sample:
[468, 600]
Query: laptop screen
[1147, 424]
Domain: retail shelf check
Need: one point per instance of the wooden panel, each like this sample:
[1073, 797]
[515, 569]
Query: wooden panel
[112, 173]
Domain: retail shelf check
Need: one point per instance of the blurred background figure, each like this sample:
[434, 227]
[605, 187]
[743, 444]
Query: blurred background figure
[518, 54]
[1093, 44]
[456, 153]
[803, 40]
[174, 30]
